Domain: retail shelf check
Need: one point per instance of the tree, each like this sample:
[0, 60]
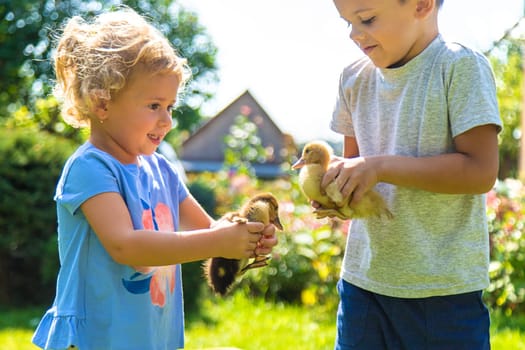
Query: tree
[506, 59]
[26, 33]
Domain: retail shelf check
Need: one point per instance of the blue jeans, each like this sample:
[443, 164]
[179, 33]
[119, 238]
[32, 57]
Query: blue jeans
[370, 321]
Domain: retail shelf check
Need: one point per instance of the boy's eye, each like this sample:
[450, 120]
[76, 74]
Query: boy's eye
[170, 108]
[368, 21]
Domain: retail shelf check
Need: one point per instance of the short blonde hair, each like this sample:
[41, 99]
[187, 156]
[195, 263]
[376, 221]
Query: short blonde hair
[95, 59]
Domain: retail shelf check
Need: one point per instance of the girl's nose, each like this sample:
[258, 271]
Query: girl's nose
[166, 119]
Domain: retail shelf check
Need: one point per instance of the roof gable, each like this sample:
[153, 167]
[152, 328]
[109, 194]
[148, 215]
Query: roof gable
[207, 143]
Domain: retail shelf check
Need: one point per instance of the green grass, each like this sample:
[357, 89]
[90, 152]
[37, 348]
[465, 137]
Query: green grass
[507, 332]
[239, 323]
[16, 328]
[245, 324]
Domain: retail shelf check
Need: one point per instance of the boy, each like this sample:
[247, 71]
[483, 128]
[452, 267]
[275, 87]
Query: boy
[420, 119]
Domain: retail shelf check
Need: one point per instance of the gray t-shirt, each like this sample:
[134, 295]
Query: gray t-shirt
[437, 244]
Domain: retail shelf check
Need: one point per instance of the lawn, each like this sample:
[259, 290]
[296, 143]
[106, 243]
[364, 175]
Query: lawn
[238, 322]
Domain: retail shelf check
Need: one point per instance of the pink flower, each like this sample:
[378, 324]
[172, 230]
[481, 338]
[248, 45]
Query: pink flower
[245, 110]
[492, 199]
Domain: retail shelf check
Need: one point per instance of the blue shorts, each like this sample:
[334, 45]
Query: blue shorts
[371, 321]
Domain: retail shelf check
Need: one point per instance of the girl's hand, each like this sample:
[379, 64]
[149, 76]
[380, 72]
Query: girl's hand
[267, 241]
[238, 240]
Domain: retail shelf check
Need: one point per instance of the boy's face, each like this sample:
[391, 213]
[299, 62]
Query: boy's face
[389, 32]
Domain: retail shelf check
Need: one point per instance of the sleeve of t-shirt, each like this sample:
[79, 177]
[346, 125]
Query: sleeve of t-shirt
[471, 93]
[84, 178]
[341, 118]
[174, 180]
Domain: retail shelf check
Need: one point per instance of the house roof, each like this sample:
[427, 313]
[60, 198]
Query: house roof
[204, 149]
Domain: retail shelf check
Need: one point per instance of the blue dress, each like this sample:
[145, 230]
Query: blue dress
[99, 303]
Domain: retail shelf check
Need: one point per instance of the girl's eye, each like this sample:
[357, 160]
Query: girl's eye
[157, 106]
[368, 21]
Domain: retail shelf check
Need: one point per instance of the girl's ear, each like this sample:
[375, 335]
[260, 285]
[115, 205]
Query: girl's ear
[424, 8]
[100, 109]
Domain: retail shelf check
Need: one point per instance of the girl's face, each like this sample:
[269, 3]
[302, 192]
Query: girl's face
[389, 32]
[137, 118]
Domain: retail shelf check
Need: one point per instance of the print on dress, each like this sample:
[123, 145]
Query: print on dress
[158, 281]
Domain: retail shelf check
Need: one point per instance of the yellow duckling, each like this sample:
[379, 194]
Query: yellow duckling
[221, 272]
[313, 163]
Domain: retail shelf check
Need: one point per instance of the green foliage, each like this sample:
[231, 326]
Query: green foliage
[243, 147]
[204, 194]
[506, 212]
[31, 164]
[506, 60]
[45, 117]
[192, 273]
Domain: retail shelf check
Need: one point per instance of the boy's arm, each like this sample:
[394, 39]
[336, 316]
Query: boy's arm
[471, 169]
[350, 148]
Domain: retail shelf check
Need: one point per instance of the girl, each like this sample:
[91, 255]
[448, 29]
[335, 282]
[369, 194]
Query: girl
[125, 219]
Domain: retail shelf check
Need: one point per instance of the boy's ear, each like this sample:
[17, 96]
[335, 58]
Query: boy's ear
[425, 8]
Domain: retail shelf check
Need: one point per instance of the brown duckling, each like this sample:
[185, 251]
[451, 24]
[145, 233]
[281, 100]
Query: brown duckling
[221, 272]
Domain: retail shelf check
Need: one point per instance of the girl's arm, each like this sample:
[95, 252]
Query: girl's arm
[193, 217]
[471, 169]
[108, 215]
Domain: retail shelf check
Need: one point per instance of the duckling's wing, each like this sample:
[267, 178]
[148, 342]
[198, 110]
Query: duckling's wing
[335, 195]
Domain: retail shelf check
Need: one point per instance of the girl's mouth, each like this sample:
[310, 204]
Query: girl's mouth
[155, 139]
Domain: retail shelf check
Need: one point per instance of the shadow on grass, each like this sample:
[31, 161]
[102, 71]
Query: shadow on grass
[23, 318]
[29, 317]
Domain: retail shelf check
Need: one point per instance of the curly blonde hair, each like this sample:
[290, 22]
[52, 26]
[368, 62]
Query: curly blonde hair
[95, 59]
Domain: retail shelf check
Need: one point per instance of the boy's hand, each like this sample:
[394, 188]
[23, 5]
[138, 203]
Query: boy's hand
[353, 177]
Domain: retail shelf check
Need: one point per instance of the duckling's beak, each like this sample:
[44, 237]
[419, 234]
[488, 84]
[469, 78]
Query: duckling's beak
[277, 223]
[299, 164]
